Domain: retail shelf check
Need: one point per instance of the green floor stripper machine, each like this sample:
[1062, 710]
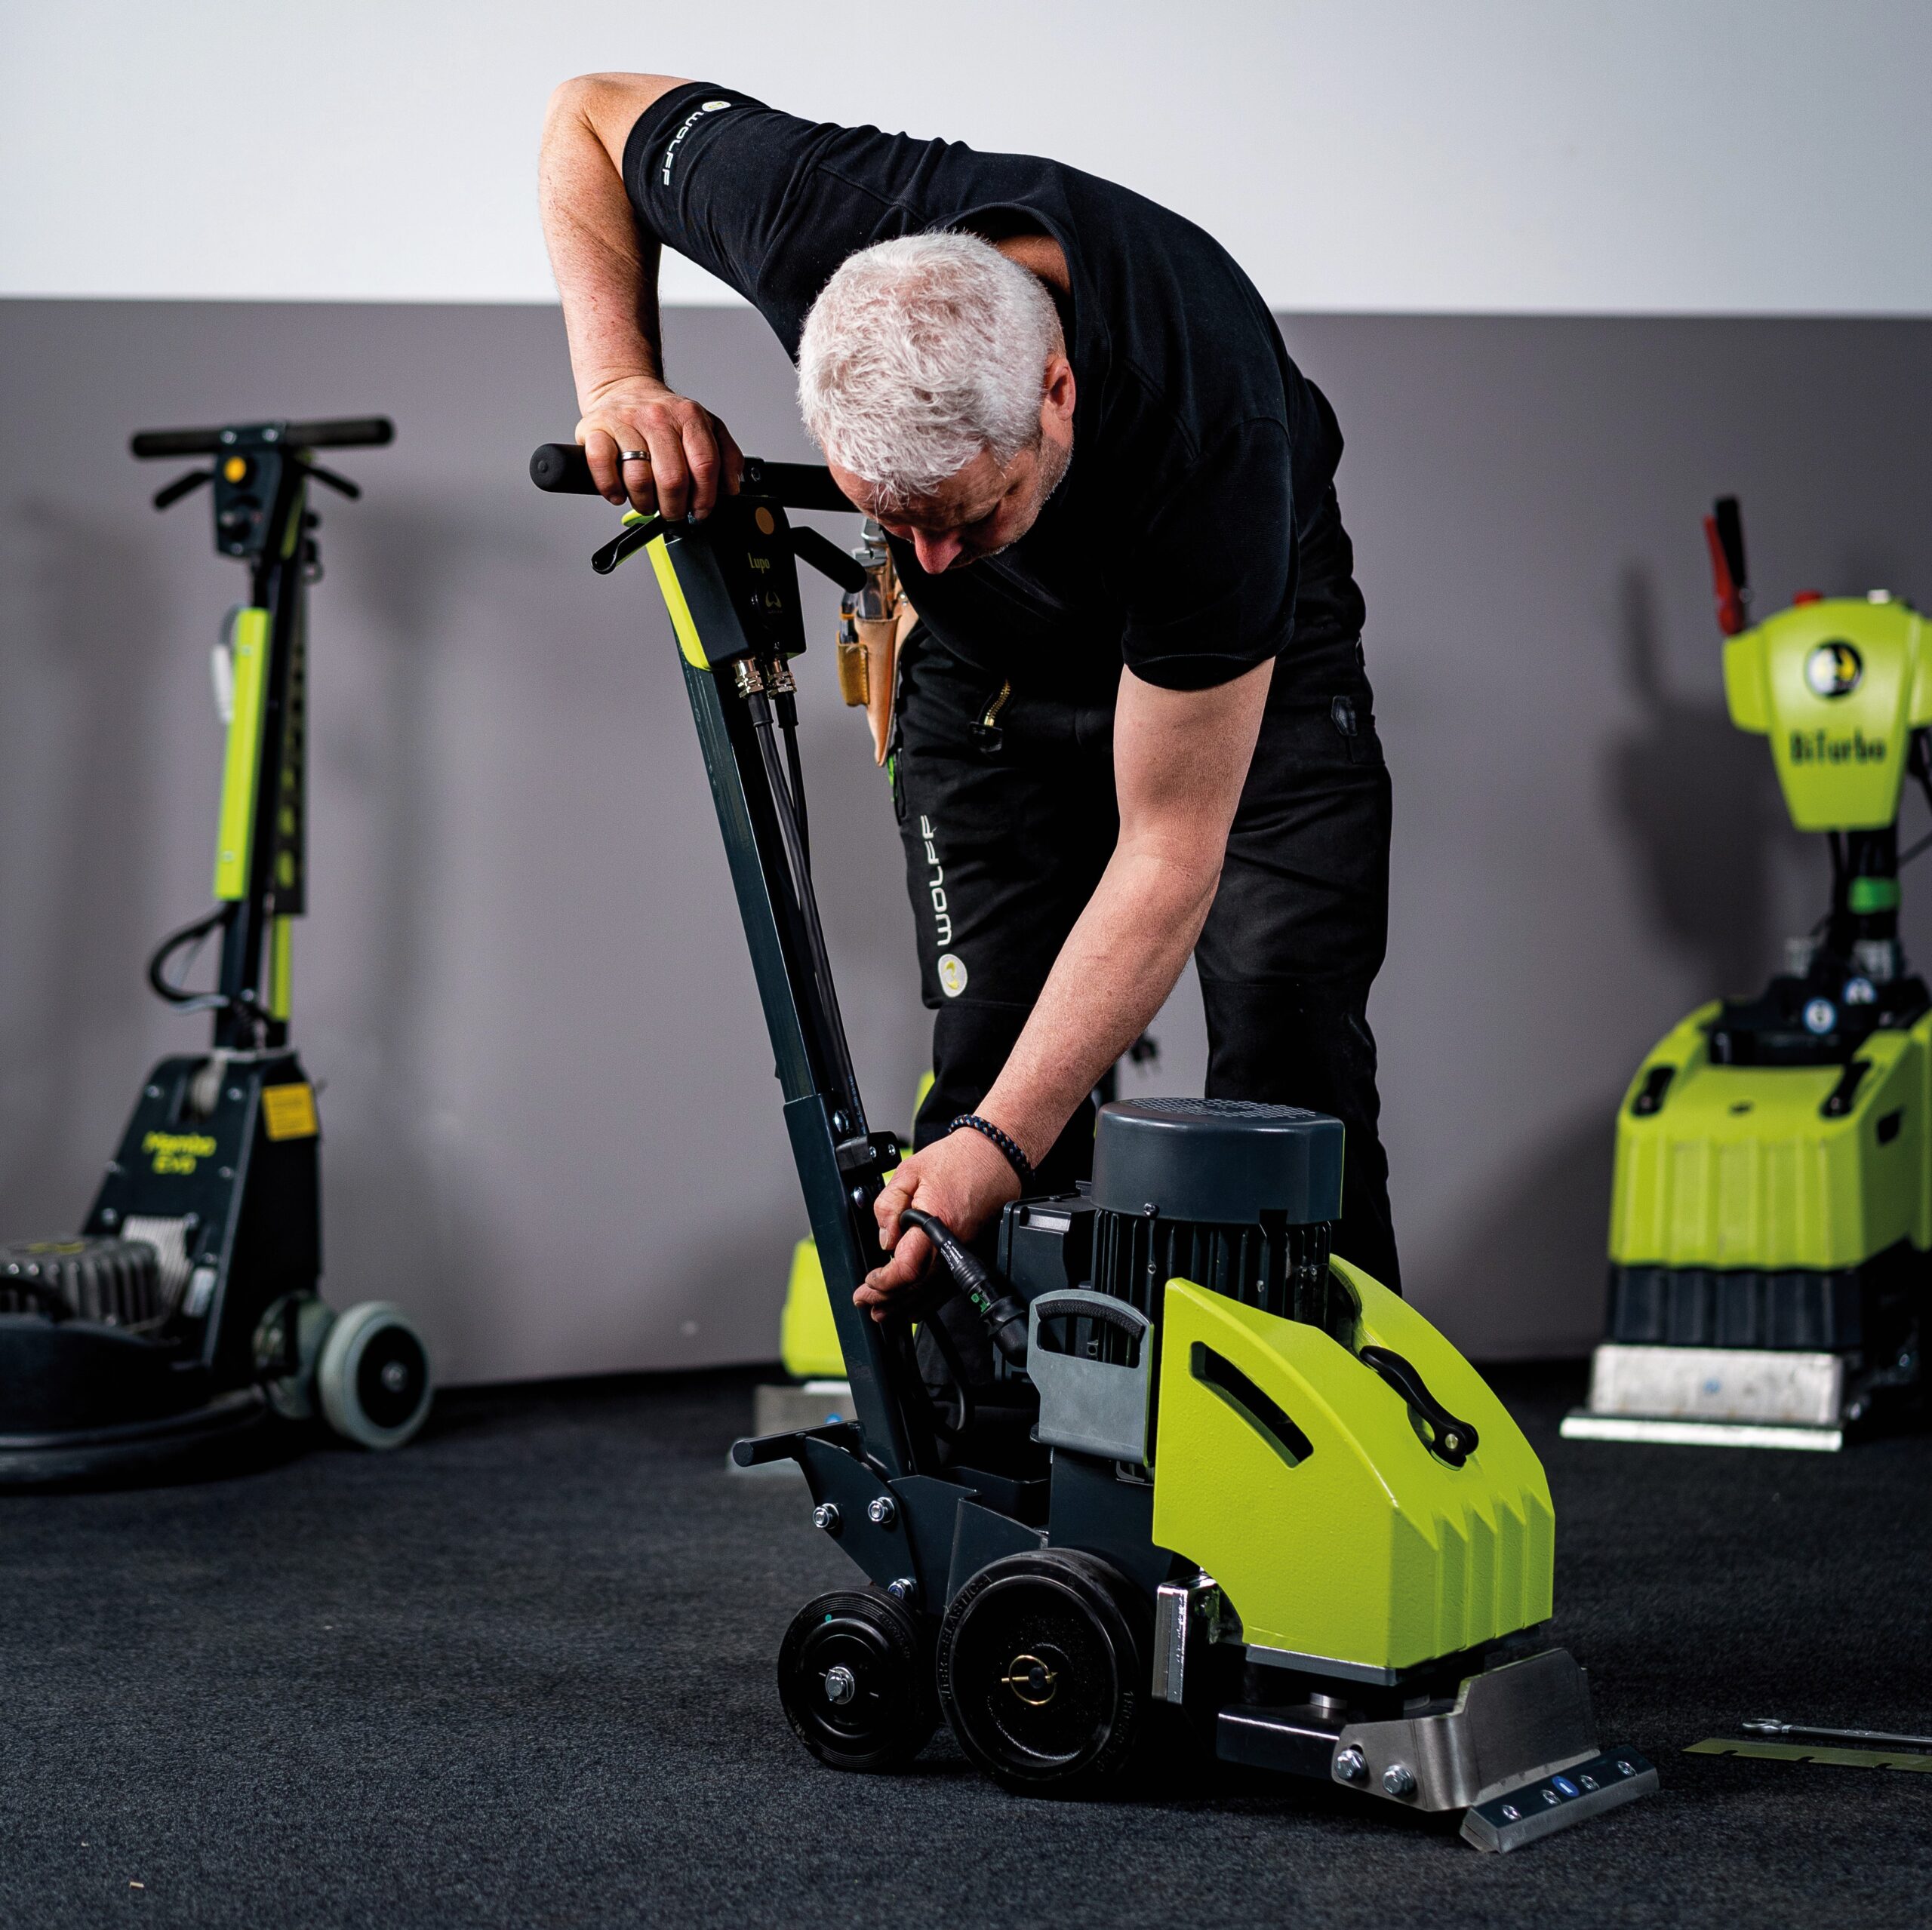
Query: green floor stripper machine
[1215, 1475]
[181, 1329]
[1772, 1209]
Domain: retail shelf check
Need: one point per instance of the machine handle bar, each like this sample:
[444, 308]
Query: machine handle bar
[339, 432]
[562, 468]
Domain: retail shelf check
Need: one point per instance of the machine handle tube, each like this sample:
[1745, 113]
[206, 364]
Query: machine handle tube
[562, 468]
[337, 432]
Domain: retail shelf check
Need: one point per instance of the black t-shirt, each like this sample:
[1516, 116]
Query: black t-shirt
[1195, 533]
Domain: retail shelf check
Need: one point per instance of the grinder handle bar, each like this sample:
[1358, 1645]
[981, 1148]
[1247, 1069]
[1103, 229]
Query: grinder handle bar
[339, 432]
[562, 468]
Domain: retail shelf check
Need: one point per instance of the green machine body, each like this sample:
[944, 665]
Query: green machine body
[1771, 1209]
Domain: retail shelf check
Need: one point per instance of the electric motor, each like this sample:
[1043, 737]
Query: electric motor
[1238, 1198]
[116, 1282]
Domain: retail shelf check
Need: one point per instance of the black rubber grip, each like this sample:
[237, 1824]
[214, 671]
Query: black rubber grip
[563, 469]
[342, 432]
[339, 432]
[148, 443]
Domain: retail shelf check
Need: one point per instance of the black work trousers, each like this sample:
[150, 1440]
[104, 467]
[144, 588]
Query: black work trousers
[1007, 810]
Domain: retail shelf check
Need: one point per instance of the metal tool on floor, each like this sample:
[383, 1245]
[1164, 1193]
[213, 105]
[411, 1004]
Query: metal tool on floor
[184, 1315]
[1179, 1459]
[1771, 1219]
[1767, 1740]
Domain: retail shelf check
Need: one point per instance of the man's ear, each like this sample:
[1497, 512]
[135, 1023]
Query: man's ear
[1056, 391]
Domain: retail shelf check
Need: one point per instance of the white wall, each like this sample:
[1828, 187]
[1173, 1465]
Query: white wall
[1649, 156]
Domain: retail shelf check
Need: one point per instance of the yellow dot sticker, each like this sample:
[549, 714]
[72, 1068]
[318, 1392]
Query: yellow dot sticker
[767, 522]
[289, 1112]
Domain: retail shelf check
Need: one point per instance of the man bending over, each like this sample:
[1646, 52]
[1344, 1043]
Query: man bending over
[1132, 720]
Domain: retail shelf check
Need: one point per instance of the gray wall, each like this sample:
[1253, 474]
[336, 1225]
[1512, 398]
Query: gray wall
[550, 1126]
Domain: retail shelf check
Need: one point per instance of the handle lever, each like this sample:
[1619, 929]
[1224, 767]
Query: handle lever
[341, 484]
[165, 498]
[1454, 1441]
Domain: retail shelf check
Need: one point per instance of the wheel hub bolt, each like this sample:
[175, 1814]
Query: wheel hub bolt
[881, 1512]
[395, 1377]
[1351, 1766]
[841, 1685]
[904, 1590]
[1398, 1780]
[825, 1516]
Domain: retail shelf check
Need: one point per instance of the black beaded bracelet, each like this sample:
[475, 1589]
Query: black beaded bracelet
[1018, 1161]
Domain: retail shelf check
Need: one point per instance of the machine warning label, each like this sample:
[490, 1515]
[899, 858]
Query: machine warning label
[288, 1112]
[177, 1152]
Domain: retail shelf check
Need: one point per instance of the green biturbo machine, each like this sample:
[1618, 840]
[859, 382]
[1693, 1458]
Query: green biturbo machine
[1772, 1209]
[181, 1328]
[1186, 1465]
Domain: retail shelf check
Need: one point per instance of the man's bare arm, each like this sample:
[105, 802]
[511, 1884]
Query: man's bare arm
[606, 274]
[1180, 759]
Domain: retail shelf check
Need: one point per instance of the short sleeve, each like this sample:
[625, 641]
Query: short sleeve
[1220, 598]
[709, 172]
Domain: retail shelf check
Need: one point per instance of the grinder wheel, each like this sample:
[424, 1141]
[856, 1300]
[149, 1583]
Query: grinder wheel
[1042, 1666]
[855, 1676]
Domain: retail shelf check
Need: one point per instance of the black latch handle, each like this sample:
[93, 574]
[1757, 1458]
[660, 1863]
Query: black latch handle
[1454, 1441]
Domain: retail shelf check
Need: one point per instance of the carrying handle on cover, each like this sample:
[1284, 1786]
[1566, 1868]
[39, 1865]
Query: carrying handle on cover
[1454, 1441]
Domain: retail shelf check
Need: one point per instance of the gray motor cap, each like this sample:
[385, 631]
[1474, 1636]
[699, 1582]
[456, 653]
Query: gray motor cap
[1223, 1160]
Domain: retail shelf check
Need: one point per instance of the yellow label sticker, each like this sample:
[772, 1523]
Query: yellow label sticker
[289, 1111]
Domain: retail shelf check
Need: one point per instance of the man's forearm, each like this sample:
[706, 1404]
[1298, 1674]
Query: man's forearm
[1115, 972]
[606, 269]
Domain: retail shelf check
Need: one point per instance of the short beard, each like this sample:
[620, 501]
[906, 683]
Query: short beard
[1055, 460]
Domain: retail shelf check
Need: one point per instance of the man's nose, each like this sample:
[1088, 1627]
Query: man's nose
[936, 554]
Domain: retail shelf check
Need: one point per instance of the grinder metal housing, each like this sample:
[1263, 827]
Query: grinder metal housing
[1186, 1465]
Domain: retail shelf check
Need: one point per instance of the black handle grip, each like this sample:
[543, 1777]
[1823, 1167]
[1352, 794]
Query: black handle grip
[339, 432]
[1454, 1441]
[149, 444]
[342, 432]
[562, 468]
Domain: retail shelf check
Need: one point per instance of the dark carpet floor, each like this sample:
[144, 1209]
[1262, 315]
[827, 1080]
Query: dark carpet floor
[520, 1674]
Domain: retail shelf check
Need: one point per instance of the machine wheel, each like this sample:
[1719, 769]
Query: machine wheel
[1043, 1665]
[373, 1379]
[855, 1676]
[291, 1390]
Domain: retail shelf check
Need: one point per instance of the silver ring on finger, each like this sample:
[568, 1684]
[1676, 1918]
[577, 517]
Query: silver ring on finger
[633, 455]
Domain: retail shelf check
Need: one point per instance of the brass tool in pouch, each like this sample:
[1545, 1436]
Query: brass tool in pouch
[868, 637]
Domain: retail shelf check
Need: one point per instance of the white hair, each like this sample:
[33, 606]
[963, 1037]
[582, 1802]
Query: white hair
[919, 354]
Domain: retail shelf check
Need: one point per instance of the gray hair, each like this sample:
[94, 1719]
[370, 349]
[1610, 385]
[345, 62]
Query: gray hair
[919, 354]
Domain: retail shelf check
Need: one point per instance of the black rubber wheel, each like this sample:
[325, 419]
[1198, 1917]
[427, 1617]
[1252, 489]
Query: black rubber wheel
[1042, 1666]
[855, 1676]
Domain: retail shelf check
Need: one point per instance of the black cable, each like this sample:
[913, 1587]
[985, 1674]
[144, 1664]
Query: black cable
[999, 1311]
[787, 709]
[804, 899]
[194, 935]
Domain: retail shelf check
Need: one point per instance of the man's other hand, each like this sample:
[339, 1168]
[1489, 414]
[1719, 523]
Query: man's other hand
[690, 457]
[962, 1179]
